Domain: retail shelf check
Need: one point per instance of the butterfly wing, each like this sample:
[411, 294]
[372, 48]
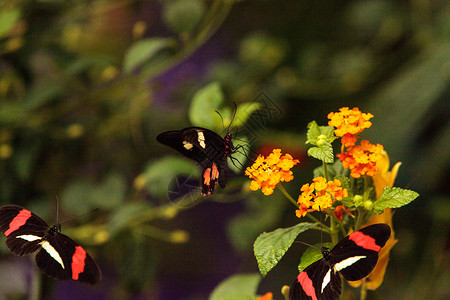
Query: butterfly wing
[356, 255]
[317, 281]
[23, 229]
[62, 258]
[205, 147]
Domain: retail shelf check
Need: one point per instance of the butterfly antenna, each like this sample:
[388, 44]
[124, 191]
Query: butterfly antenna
[83, 215]
[309, 245]
[234, 115]
[57, 210]
[223, 125]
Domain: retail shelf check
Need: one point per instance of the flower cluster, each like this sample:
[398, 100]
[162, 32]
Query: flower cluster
[362, 159]
[319, 195]
[349, 123]
[268, 172]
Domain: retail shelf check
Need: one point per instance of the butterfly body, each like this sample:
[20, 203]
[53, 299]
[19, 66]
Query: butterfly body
[58, 256]
[205, 147]
[354, 257]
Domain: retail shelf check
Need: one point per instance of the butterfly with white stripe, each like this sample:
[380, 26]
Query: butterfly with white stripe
[354, 257]
[58, 255]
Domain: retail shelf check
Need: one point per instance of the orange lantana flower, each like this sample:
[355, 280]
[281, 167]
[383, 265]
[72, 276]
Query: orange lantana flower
[267, 296]
[319, 195]
[349, 123]
[268, 172]
[362, 159]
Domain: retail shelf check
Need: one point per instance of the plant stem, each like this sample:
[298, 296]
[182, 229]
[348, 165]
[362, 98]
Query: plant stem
[359, 219]
[363, 294]
[325, 170]
[283, 190]
[333, 231]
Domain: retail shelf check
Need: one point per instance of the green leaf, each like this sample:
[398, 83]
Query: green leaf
[124, 215]
[159, 174]
[311, 255]
[316, 135]
[110, 193]
[237, 287]
[8, 19]
[324, 152]
[84, 195]
[143, 50]
[393, 197]
[204, 104]
[270, 247]
[183, 15]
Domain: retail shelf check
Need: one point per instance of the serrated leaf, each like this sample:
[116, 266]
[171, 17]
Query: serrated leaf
[324, 152]
[204, 104]
[8, 19]
[143, 50]
[270, 247]
[311, 255]
[238, 287]
[393, 197]
[318, 134]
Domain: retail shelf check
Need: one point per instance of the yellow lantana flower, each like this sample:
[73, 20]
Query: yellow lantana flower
[268, 172]
[319, 195]
[362, 159]
[349, 123]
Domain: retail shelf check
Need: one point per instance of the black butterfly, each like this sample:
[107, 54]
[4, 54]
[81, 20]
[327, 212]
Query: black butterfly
[205, 147]
[58, 255]
[354, 257]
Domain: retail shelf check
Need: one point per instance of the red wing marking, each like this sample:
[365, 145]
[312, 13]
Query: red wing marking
[365, 241]
[78, 262]
[307, 285]
[18, 221]
[206, 176]
[214, 172]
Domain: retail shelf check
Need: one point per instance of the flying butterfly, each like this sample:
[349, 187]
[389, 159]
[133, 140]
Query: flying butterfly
[205, 147]
[58, 256]
[354, 257]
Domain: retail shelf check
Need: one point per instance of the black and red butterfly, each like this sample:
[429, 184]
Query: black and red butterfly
[58, 255]
[354, 257]
[206, 148]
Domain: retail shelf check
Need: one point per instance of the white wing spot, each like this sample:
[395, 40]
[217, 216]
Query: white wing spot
[28, 237]
[52, 252]
[187, 145]
[201, 139]
[347, 262]
[326, 280]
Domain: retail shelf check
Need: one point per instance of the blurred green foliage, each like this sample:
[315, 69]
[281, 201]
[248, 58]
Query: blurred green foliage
[85, 86]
